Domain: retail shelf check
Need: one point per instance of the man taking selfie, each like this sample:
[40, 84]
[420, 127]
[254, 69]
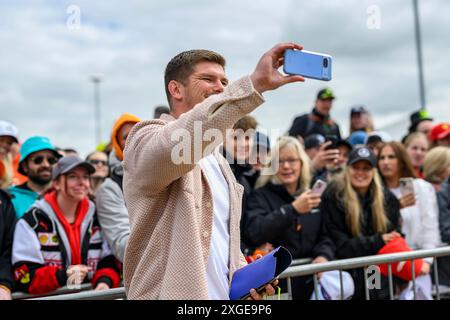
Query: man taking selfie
[184, 241]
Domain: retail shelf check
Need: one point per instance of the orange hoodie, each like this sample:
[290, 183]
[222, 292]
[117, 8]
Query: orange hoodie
[18, 179]
[124, 118]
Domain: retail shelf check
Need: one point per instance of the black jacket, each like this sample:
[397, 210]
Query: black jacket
[246, 176]
[7, 223]
[272, 218]
[369, 243]
[443, 197]
[314, 123]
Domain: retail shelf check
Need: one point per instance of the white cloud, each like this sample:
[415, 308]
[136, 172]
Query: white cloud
[45, 67]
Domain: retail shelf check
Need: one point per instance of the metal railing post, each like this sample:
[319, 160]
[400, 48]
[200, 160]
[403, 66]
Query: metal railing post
[436, 279]
[391, 284]
[289, 286]
[366, 287]
[413, 278]
[316, 291]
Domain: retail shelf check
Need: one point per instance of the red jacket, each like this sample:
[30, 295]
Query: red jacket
[43, 248]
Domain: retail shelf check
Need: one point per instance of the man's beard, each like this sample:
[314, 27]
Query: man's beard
[36, 178]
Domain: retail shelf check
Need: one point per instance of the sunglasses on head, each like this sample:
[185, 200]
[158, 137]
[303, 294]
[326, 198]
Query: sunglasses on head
[95, 162]
[39, 159]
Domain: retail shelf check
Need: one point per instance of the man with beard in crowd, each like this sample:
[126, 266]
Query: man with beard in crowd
[38, 156]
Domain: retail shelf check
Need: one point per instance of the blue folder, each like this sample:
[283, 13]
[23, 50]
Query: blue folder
[259, 273]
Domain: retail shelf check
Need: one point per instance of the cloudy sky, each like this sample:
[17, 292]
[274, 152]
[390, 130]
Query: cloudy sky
[50, 48]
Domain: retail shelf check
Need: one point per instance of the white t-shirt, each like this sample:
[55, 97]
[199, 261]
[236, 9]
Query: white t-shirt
[218, 260]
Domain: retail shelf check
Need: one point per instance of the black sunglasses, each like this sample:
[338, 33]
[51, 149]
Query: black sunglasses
[39, 159]
[95, 162]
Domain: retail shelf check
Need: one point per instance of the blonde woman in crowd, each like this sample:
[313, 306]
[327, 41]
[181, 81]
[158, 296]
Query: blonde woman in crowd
[361, 216]
[280, 212]
[436, 167]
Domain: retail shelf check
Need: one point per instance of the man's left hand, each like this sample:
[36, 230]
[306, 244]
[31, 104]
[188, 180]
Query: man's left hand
[269, 291]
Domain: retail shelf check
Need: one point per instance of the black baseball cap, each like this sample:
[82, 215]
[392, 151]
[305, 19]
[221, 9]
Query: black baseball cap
[65, 164]
[343, 142]
[419, 116]
[325, 94]
[314, 140]
[358, 109]
[362, 154]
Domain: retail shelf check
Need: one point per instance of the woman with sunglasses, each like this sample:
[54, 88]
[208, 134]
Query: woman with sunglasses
[58, 241]
[361, 216]
[99, 160]
[280, 212]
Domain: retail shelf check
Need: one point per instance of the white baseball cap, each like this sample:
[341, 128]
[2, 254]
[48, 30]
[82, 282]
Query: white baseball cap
[8, 129]
[329, 287]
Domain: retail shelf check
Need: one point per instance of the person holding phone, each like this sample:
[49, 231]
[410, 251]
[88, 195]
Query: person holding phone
[320, 151]
[360, 215]
[58, 242]
[185, 215]
[280, 211]
[418, 202]
[335, 160]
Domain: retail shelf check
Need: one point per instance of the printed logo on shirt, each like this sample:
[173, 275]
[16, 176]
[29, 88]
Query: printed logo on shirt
[55, 240]
[47, 239]
[43, 239]
[22, 274]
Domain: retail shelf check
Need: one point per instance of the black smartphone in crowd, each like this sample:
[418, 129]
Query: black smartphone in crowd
[334, 141]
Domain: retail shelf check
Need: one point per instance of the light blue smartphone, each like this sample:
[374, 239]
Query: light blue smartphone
[308, 64]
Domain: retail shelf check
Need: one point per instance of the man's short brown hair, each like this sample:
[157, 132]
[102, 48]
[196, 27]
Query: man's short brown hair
[246, 123]
[182, 65]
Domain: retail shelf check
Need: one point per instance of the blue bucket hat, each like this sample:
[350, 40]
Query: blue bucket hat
[357, 138]
[32, 145]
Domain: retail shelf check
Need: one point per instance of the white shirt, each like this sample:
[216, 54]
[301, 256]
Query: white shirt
[217, 269]
[420, 223]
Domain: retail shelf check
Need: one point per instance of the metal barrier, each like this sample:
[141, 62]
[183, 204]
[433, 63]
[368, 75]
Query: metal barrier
[300, 269]
[298, 262]
[111, 294]
[57, 292]
[364, 262]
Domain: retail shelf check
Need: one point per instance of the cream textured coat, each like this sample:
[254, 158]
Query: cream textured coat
[170, 205]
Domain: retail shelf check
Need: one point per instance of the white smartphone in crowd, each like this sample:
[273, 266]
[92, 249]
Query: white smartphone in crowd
[406, 186]
[319, 187]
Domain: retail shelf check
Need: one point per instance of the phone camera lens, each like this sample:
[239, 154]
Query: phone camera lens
[325, 62]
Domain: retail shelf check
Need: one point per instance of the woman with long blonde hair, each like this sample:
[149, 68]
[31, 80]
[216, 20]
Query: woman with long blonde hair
[361, 216]
[279, 211]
